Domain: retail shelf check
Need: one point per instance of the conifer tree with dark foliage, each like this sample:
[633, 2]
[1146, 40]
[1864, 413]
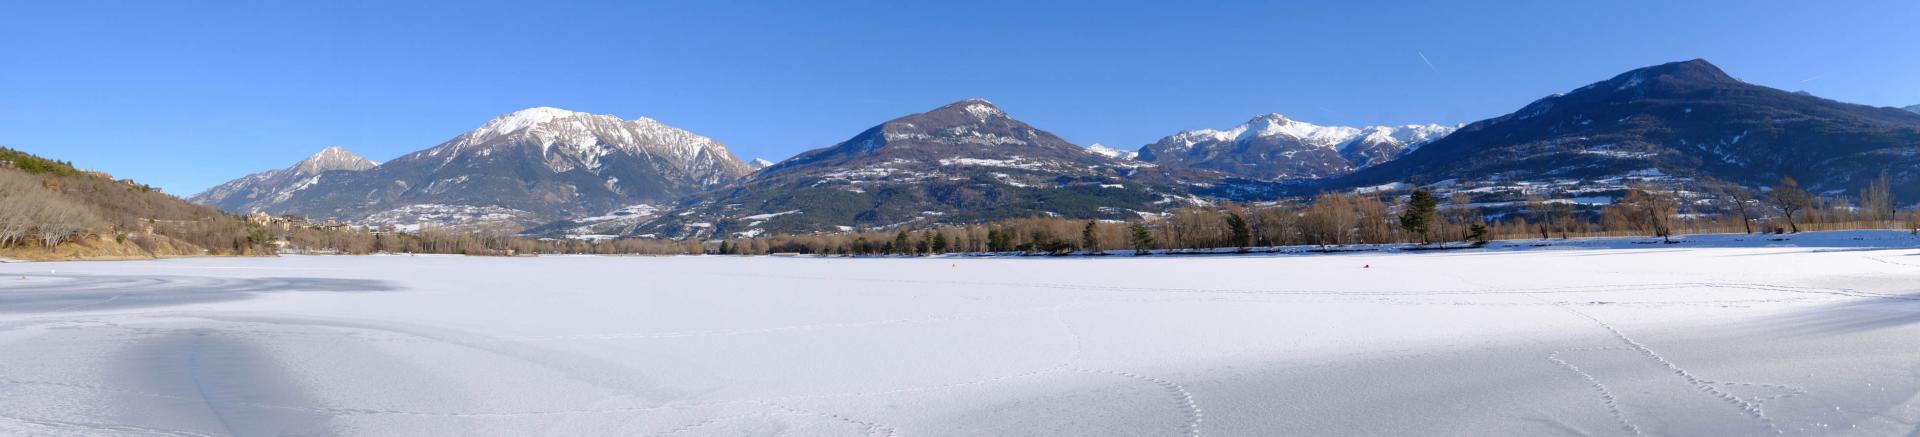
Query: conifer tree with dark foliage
[1142, 239]
[1418, 218]
[1242, 234]
[1477, 234]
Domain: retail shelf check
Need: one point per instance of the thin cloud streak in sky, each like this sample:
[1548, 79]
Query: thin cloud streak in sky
[1423, 58]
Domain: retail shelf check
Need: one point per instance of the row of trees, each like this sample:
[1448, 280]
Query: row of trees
[360, 242]
[1348, 219]
[47, 203]
[1329, 220]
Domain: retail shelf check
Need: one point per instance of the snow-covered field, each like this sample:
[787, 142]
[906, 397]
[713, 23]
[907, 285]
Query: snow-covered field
[1722, 335]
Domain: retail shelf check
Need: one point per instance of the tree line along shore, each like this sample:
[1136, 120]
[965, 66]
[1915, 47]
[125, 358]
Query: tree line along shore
[50, 210]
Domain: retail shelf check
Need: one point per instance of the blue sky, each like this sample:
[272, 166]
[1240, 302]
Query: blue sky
[185, 95]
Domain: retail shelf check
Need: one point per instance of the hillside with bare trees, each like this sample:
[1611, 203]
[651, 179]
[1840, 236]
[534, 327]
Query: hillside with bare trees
[52, 210]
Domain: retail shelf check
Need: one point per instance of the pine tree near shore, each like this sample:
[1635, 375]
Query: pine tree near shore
[1241, 234]
[1418, 218]
[1142, 239]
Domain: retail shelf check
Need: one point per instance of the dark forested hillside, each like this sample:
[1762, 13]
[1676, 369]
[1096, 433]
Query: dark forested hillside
[1685, 120]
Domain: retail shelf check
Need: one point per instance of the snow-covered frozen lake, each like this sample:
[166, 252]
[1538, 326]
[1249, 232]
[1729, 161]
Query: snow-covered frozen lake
[1817, 335]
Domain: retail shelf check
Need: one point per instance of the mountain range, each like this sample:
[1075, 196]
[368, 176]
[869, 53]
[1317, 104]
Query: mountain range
[553, 172]
[519, 170]
[1274, 147]
[968, 161]
[1682, 122]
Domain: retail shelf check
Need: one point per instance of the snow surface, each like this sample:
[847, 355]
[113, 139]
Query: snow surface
[1719, 335]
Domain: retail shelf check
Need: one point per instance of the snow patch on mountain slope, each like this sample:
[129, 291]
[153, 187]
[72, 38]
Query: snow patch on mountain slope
[570, 140]
[984, 111]
[1332, 137]
[263, 190]
[769, 215]
[1103, 150]
[426, 216]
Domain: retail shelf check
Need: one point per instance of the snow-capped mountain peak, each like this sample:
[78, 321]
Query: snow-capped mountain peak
[330, 159]
[1914, 108]
[568, 140]
[983, 109]
[1273, 146]
[259, 190]
[760, 163]
[533, 165]
[526, 118]
[1271, 125]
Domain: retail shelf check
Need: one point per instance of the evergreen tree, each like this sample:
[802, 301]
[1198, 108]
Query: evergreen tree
[1242, 234]
[900, 244]
[940, 242]
[1418, 218]
[999, 240]
[1142, 239]
[1477, 234]
[925, 245]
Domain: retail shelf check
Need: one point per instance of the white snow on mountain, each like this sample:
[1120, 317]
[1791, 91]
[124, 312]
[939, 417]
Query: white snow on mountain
[1340, 138]
[260, 190]
[612, 224]
[461, 218]
[983, 109]
[570, 140]
[1103, 150]
[760, 163]
[330, 159]
[1411, 136]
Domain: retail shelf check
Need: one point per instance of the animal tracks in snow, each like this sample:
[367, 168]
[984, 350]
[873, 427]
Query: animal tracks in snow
[1752, 408]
